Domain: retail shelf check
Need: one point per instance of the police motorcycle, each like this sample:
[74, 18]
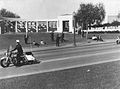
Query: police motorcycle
[118, 40]
[11, 58]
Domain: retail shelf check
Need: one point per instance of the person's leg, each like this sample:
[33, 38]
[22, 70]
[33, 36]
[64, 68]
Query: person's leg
[58, 43]
[25, 41]
[18, 58]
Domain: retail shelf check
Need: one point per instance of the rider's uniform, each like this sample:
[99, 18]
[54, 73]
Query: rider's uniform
[19, 50]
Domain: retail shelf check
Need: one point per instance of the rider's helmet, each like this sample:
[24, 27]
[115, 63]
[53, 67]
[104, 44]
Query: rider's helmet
[17, 41]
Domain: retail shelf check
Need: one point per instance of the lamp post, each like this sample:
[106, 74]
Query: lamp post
[74, 18]
[86, 30]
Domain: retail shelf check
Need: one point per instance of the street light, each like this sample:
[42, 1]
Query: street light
[74, 18]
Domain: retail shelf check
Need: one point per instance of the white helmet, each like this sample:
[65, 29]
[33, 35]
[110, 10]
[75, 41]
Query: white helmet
[17, 41]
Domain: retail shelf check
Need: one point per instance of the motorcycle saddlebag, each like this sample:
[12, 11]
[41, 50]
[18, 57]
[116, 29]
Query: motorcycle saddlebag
[30, 57]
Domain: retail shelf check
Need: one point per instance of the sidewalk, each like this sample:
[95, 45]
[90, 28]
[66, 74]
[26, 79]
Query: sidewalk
[86, 43]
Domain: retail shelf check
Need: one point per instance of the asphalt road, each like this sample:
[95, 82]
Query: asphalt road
[86, 67]
[78, 51]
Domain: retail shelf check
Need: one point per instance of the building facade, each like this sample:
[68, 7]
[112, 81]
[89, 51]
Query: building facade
[63, 23]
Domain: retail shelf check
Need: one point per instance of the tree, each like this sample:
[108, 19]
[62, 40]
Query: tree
[115, 23]
[9, 14]
[7, 25]
[118, 15]
[89, 14]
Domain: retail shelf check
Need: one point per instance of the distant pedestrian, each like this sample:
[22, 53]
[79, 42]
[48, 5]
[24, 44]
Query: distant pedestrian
[26, 39]
[99, 38]
[79, 30]
[82, 33]
[62, 37]
[52, 35]
[57, 40]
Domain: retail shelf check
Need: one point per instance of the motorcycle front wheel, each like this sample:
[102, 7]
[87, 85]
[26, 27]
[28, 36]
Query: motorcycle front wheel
[4, 63]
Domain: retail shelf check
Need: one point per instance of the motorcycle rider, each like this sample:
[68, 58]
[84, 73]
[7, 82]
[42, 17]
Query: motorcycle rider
[19, 50]
[118, 40]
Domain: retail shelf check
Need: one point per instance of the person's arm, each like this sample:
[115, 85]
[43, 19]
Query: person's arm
[14, 49]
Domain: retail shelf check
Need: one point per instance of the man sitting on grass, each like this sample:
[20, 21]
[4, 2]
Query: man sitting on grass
[36, 44]
[94, 37]
[99, 38]
[42, 42]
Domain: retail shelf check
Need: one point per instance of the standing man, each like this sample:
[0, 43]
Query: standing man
[79, 30]
[57, 40]
[26, 39]
[82, 33]
[52, 36]
[62, 37]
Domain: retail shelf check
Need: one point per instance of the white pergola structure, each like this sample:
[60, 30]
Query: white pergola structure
[63, 23]
[16, 20]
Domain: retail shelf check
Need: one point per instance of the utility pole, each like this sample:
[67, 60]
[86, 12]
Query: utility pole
[86, 30]
[74, 18]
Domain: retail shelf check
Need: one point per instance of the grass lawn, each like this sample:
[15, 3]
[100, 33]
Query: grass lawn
[9, 39]
[101, 76]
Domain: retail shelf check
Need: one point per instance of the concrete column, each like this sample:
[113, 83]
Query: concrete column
[36, 26]
[16, 30]
[57, 25]
[26, 28]
[0, 31]
[47, 25]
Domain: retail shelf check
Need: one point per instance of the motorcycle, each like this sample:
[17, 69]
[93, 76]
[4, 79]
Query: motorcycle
[117, 41]
[11, 58]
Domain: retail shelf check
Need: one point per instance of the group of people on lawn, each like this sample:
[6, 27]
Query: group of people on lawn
[58, 39]
[26, 37]
[97, 38]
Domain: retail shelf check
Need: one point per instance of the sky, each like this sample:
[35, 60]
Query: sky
[51, 9]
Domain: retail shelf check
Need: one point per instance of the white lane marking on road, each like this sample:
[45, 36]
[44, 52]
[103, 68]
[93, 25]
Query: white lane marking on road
[79, 56]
